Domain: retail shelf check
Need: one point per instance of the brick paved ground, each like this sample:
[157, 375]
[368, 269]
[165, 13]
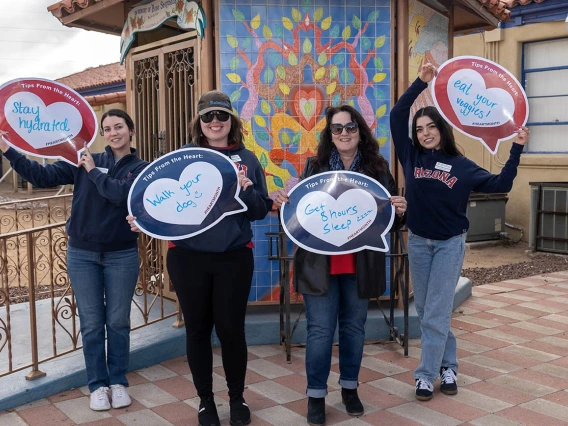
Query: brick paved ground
[513, 350]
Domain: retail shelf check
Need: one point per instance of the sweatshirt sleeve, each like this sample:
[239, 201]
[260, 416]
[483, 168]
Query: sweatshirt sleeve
[48, 176]
[399, 117]
[115, 190]
[483, 181]
[256, 196]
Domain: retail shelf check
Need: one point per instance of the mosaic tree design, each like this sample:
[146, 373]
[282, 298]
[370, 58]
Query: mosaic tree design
[283, 74]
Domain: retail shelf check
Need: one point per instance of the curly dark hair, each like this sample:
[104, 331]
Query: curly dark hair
[120, 114]
[372, 162]
[236, 136]
[447, 141]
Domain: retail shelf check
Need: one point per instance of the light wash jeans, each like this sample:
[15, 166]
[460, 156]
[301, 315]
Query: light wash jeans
[435, 267]
[104, 284]
[322, 314]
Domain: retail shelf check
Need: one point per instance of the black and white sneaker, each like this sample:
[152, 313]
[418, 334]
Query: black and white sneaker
[424, 390]
[240, 412]
[207, 414]
[448, 381]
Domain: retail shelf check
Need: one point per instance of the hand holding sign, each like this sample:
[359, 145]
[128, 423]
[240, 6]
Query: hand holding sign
[184, 193]
[46, 119]
[480, 99]
[338, 212]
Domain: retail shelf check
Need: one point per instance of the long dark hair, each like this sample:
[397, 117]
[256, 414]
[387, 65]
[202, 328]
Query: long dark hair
[120, 114]
[374, 165]
[235, 136]
[447, 141]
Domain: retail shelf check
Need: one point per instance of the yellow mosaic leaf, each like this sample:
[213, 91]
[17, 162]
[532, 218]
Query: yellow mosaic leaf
[267, 33]
[255, 22]
[296, 15]
[287, 23]
[382, 141]
[319, 73]
[232, 40]
[307, 46]
[284, 88]
[265, 107]
[292, 58]
[331, 88]
[380, 41]
[379, 77]
[381, 111]
[346, 33]
[326, 23]
[322, 58]
[318, 14]
[260, 120]
[234, 77]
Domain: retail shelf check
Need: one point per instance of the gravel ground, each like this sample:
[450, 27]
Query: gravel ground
[537, 264]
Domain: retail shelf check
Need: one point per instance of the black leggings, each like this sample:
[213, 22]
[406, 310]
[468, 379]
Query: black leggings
[213, 290]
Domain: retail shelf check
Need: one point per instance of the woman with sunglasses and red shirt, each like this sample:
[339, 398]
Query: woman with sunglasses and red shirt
[338, 288]
[212, 271]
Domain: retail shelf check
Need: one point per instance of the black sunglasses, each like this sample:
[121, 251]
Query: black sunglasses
[221, 116]
[337, 128]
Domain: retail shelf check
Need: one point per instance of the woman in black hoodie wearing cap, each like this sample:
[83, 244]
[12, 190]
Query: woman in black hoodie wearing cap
[212, 271]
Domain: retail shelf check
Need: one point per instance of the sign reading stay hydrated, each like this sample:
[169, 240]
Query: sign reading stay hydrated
[46, 119]
[338, 212]
[184, 193]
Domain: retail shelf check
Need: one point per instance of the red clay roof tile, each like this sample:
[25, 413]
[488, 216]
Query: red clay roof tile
[94, 77]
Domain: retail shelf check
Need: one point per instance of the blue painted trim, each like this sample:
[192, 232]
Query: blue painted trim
[548, 96]
[547, 123]
[552, 10]
[546, 69]
[102, 90]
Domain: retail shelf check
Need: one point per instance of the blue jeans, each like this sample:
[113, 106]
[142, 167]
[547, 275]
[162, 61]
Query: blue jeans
[435, 267]
[104, 284]
[322, 314]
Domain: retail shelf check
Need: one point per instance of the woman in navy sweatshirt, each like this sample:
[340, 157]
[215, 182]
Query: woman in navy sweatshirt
[212, 271]
[102, 252]
[439, 180]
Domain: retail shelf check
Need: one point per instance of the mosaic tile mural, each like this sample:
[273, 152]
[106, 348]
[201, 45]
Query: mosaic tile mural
[282, 63]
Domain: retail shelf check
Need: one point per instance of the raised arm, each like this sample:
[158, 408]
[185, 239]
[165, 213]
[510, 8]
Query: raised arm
[400, 113]
[58, 173]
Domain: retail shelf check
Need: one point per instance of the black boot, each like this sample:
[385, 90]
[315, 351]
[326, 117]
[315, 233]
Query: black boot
[352, 402]
[316, 411]
[240, 412]
[207, 415]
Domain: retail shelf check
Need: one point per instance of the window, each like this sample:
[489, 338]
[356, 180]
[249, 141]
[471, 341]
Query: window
[545, 71]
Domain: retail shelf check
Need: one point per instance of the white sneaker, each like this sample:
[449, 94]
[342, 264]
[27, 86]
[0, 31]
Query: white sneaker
[99, 399]
[119, 396]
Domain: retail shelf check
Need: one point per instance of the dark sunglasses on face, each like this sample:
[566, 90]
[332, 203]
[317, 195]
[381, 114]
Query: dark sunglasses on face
[221, 116]
[337, 128]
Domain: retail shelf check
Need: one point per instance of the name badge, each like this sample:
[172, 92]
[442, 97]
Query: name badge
[102, 169]
[444, 167]
[235, 158]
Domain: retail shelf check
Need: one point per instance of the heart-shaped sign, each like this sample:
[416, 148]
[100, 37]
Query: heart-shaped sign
[39, 125]
[46, 119]
[476, 105]
[337, 221]
[186, 201]
[481, 99]
[306, 103]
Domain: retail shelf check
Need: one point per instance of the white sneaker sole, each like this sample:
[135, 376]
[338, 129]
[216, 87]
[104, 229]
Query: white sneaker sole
[105, 408]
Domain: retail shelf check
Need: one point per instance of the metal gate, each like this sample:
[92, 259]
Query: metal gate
[163, 99]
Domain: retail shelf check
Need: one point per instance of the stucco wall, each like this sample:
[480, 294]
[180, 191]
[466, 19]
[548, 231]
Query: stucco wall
[507, 51]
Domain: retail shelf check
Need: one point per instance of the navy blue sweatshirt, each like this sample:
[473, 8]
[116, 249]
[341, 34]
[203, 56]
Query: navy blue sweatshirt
[438, 185]
[234, 231]
[98, 212]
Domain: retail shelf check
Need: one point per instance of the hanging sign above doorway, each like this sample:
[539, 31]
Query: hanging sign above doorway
[152, 14]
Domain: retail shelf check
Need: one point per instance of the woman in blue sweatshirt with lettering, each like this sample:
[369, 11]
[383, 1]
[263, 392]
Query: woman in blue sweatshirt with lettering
[439, 180]
[102, 252]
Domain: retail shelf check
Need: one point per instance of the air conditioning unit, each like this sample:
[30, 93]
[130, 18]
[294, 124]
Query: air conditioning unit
[486, 214]
[548, 230]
